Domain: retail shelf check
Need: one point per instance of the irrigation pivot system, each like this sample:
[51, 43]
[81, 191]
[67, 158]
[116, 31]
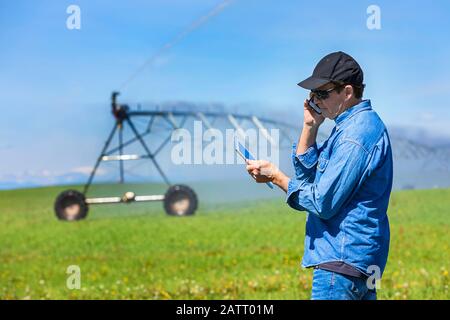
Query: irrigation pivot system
[179, 199]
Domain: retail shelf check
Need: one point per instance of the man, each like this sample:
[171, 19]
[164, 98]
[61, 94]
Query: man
[344, 183]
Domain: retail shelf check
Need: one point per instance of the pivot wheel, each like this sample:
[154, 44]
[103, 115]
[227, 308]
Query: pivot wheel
[71, 205]
[180, 200]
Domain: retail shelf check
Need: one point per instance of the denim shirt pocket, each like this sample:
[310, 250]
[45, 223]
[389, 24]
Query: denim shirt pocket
[322, 162]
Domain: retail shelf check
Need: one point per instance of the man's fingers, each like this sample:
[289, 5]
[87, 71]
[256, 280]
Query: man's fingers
[253, 166]
[307, 107]
[251, 169]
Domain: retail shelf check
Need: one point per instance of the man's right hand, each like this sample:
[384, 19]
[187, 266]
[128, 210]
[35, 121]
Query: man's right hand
[311, 118]
[311, 124]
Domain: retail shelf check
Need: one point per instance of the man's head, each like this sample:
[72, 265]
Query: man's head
[336, 84]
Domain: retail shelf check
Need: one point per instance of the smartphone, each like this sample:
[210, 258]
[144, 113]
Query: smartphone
[314, 106]
[245, 154]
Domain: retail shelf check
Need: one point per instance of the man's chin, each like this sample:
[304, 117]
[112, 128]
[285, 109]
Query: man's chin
[326, 115]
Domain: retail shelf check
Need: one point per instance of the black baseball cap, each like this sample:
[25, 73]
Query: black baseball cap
[336, 66]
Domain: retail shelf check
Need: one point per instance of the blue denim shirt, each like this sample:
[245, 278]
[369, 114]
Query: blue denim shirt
[344, 184]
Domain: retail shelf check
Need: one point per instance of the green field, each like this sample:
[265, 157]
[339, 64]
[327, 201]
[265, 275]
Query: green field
[241, 250]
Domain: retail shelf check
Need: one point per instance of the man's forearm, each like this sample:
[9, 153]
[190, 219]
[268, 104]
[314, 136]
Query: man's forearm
[281, 180]
[307, 138]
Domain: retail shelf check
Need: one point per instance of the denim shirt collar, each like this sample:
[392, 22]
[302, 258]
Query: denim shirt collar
[350, 112]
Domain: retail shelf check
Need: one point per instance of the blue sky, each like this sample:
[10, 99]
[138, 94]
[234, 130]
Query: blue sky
[55, 83]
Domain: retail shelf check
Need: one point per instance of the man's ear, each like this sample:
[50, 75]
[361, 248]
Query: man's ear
[348, 91]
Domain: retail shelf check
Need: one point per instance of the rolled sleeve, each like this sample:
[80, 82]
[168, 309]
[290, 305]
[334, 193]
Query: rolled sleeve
[292, 195]
[305, 163]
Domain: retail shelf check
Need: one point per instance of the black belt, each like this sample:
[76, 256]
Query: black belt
[342, 268]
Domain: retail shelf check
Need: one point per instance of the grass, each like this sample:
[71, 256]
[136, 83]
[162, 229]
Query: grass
[245, 250]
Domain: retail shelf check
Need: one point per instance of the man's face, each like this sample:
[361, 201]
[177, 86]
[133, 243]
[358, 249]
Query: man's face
[334, 104]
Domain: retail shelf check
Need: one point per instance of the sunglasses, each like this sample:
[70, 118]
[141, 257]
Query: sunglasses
[324, 94]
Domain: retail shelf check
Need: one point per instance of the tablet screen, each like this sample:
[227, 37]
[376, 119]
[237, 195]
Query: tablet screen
[244, 152]
[247, 155]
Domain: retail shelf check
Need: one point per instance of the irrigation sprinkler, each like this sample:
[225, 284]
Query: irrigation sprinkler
[179, 199]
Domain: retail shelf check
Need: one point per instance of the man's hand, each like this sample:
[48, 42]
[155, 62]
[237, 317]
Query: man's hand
[264, 171]
[311, 124]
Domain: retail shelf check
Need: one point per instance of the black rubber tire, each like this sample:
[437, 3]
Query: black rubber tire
[181, 196]
[70, 205]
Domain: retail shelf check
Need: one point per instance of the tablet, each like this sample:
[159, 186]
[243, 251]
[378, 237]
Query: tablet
[246, 155]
